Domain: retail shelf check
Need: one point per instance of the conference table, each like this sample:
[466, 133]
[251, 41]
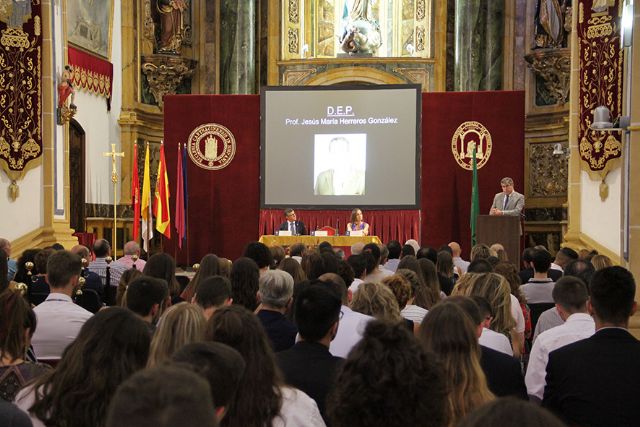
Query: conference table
[336, 241]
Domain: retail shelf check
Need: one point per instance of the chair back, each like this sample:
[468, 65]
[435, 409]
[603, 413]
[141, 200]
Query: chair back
[330, 230]
[89, 300]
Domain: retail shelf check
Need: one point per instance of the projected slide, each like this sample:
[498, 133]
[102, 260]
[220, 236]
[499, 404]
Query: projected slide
[340, 146]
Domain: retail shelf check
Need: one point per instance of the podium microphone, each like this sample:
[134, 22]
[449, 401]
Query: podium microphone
[338, 227]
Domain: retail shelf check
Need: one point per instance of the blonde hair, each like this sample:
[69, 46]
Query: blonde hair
[448, 331]
[181, 324]
[376, 300]
[496, 290]
[601, 261]
[400, 287]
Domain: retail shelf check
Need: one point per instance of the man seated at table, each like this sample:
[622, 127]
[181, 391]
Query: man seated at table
[296, 227]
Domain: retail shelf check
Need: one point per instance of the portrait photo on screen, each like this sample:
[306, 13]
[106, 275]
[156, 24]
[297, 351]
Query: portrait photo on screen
[339, 164]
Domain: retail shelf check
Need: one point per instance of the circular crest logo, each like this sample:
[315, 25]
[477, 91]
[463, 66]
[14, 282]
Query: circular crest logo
[468, 136]
[211, 146]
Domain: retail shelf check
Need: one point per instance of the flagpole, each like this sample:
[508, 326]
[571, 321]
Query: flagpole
[148, 220]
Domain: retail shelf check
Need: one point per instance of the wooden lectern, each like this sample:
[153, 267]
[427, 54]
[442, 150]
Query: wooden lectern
[492, 229]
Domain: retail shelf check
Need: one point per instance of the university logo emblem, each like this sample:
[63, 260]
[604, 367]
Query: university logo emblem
[211, 146]
[466, 137]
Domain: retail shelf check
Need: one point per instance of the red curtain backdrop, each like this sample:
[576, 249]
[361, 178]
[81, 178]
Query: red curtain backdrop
[224, 206]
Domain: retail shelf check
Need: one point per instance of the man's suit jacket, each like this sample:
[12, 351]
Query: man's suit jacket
[593, 382]
[514, 206]
[300, 228]
[503, 372]
[311, 368]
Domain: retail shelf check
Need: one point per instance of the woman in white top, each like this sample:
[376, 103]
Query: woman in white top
[262, 398]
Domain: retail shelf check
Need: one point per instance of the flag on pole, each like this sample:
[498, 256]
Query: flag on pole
[181, 218]
[475, 198]
[145, 203]
[161, 200]
[135, 194]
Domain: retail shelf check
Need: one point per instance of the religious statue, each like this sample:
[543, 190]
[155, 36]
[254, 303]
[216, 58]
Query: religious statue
[361, 34]
[550, 26]
[66, 94]
[170, 15]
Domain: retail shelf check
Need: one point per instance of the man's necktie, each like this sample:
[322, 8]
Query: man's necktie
[506, 202]
[293, 228]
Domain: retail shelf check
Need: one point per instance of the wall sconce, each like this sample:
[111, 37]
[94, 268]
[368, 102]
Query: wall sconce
[559, 150]
[602, 121]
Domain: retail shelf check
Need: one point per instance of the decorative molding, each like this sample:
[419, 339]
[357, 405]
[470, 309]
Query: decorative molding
[294, 11]
[292, 40]
[298, 76]
[165, 72]
[415, 75]
[553, 67]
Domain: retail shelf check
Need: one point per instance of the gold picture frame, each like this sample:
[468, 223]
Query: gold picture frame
[89, 26]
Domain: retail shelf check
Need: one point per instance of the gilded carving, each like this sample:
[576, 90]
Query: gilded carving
[294, 12]
[415, 75]
[297, 77]
[293, 43]
[420, 10]
[148, 27]
[420, 38]
[547, 172]
[164, 74]
[553, 66]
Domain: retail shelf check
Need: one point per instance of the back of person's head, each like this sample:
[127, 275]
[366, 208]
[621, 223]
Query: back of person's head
[446, 248]
[244, 282]
[571, 294]
[510, 272]
[527, 254]
[330, 262]
[407, 250]
[22, 275]
[483, 306]
[294, 268]
[346, 273]
[325, 246]
[297, 249]
[566, 255]
[111, 346]
[428, 253]
[496, 290]
[276, 288]
[316, 312]
[132, 248]
[17, 325]
[479, 265]
[601, 261]
[410, 262]
[400, 287]
[62, 266]
[444, 263]
[469, 306]
[163, 266]
[376, 300]
[511, 412]
[394, 249]
[388, 379]
[258, 398]
[480, 251]
[101, 248]
[82, 252]
[125, 279]
[384, 253]
[41, 259]
[356, 248]
[359, 264]
[209, 266]
[162, 397]
[612, 292]
[260, 253]
[220, 365]
[181, 324]
[541, 261]
[313, 264]
[414, 244]
[145, 292]
[277, 255]
[225, 267]
[374, 250]
[213, 292]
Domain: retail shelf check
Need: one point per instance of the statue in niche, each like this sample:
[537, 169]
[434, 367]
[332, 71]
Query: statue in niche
[169, 16]
[361, 33]
[551, 31]
[66, 94]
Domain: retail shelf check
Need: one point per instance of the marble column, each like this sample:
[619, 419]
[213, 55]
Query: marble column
[238, 46]
[479, 44]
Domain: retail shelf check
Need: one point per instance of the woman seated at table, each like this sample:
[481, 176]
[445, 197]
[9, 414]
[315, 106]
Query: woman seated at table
[357, 223]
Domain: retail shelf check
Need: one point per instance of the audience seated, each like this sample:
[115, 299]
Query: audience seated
[480, 251]
[59, 318]
[12, 264]
[110, 347]
[102, 250]
[377, 301]
[220, 365]
[601, 261]
[446, 275]
[277, 255]
[403, 294]
[389, 380]
[213, 293]
[225, 267]
[359, 265]
[510, 412]
[4, 275]
[17, 324]
[313, 264]
[570, 295]
[22, 274]
[375, 272]
[147, 297]
[92, 280]
[38, 288]
[407, 250]
[262, 398]
[480, 265]
[527, 261]
[296, 251]
[308, 365]
[488, 337]
[539, 288]
[428, 253]
[260, 253]
[510, 273]
[395, 250]
[209, 266]
[294, 268]
[244, 283]
[127, 277]
[456, 253]
[275, 294]
[131, 249]
[163, 266]
[563, 257]
[164, 396]
[589, 382]
[180, 325]
[415, 309]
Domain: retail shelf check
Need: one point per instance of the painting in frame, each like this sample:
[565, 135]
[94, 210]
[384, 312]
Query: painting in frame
[89, 25]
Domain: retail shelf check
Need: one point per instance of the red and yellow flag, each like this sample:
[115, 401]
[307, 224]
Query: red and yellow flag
[135, 194]
[161, 201]
[145, 203]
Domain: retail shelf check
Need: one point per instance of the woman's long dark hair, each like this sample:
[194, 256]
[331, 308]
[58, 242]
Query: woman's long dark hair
[209, 266]
[111, 345]
[244, 282]
[22, 274]
[258, 399]
[163, 266]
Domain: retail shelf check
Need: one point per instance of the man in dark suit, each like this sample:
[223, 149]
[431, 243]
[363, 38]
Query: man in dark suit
[308, 365]
[296, 227]
[592, 382]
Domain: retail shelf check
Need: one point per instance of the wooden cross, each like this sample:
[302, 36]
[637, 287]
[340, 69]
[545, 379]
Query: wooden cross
[114, 179]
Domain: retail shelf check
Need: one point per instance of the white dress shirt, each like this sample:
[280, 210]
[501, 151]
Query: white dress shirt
[414, 313]
[538, 290]
[577, 327]
[59, 321]
[392, 264]
[461, 264]
[297, 410]
[350, 330]
[495, 341]
[516, 313]
[353, 287]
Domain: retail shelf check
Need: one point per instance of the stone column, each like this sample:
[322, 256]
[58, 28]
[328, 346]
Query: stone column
[238, 47]
[479, 44]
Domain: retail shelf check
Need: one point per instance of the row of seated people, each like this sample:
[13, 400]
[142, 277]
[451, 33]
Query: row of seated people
[323, 350]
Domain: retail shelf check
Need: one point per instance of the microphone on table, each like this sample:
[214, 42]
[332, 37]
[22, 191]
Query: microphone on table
[338, 227]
